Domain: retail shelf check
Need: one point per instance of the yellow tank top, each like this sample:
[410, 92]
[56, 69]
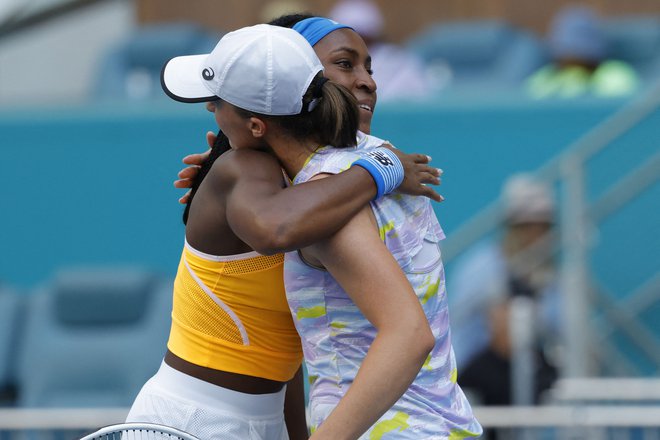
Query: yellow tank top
[230, 313]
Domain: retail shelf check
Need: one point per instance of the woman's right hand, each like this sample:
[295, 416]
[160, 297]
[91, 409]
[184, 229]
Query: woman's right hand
[194, 162]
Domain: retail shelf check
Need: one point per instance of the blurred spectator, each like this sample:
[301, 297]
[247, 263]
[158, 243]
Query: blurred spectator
[580, 65]
[11, 318]
[398, 72]
[484, 283]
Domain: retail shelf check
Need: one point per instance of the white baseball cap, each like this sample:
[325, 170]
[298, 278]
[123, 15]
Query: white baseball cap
[263, 69]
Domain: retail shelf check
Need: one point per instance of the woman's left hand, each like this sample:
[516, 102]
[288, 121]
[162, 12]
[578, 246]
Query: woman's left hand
[418, 174]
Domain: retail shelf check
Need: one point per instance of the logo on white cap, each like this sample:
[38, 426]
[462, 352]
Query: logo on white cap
[208, 74]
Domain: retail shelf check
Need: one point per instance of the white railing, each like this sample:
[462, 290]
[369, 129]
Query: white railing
[23, 419]
[14, 421]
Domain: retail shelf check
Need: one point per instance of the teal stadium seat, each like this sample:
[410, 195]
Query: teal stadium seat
[480, 53]
[131, 69]
[93, 337]
[635, 40]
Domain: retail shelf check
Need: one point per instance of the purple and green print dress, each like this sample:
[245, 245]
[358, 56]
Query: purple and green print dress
[336, 336]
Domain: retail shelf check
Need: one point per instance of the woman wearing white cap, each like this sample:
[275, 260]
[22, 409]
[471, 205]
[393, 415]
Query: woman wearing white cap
[369, 301]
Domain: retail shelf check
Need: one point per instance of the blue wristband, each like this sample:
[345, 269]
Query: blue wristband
[385, 168]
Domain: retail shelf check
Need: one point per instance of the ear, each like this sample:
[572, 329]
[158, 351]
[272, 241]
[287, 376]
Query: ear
[257, 127]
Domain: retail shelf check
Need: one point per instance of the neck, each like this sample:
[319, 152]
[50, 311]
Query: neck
[292, 153]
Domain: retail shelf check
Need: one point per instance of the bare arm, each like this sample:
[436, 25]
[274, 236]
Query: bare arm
[294, 408]
[272, 218]
[360, 262]
[418, 173]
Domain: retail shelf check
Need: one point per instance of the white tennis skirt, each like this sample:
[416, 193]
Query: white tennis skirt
[208, 411]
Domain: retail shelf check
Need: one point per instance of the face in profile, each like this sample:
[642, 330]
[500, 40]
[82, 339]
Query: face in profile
[235, 125]
[346, 61]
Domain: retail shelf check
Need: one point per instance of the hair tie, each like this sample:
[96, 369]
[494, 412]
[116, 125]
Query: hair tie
[317, 93]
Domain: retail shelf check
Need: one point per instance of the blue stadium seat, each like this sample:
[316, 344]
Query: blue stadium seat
[131, 69]
[11, 315]
[635, 40]
[93, 337]
[480, 52]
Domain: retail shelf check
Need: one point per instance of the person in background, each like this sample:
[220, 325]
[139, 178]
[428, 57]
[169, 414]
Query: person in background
[398, 72]
[580, 65]
[485, 281]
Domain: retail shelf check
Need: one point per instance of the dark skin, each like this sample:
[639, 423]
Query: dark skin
[244, 204]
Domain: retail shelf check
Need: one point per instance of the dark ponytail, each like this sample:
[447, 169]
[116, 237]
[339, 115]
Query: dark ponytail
[220, 146]
[334, 112]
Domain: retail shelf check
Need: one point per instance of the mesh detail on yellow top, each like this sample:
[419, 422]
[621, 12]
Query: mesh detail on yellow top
[201, 313]
[232, 315]
[253, 264]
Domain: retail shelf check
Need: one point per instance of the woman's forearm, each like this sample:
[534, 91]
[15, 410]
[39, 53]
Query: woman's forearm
[303, 214]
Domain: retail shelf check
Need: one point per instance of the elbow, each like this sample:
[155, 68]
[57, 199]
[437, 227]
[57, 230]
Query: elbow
[424, 341]
[415, 339]
[266, 246]
[428, 342]
[282, 239]
[272, 239]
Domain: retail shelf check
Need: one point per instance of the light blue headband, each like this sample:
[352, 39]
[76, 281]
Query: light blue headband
[315, 28]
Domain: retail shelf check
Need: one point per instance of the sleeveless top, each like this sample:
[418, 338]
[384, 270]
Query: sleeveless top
[336, 336]
[230, 313]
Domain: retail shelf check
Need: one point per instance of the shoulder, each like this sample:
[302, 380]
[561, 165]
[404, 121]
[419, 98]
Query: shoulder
[369, 141]
[326, 160]
[247, 157]
[245, 164]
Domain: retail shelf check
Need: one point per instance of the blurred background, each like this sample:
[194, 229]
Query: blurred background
[544, 116]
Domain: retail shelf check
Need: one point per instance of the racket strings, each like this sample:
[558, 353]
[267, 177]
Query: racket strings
[138, 434]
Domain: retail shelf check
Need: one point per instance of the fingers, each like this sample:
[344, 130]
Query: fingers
[189, 172]
[186, 177]
[210, 138]
[428, 179]
[429, 192]
[421, 168]
[195, 159]
[420, 158]
[184, 200]
[183, 183]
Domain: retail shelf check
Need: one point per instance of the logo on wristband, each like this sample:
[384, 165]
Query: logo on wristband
[382, 158]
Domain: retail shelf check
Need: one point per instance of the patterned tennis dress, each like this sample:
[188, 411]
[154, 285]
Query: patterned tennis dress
[336, 336]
